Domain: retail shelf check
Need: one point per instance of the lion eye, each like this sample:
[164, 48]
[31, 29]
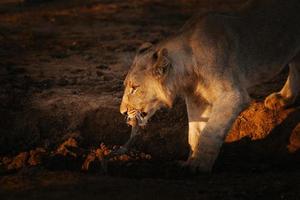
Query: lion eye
[133, 89]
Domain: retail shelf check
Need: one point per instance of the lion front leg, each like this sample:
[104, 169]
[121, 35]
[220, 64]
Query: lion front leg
[198, 114]
[224, 111]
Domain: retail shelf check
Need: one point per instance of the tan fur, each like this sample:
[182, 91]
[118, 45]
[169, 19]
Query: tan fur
[211, 63]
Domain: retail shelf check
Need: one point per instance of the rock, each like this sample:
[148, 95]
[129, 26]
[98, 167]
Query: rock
[36, 156]
[65, 148]
[19, 161]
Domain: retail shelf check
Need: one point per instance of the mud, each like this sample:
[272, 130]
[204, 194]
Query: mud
[62, 70]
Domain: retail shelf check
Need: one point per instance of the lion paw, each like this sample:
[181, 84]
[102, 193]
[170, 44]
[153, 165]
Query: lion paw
[276, 101]
[196, 166]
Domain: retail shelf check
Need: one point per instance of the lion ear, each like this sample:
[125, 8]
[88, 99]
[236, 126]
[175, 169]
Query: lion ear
[144, 47]
[162, 63]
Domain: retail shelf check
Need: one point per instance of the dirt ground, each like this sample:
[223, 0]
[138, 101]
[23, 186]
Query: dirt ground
[62, 65]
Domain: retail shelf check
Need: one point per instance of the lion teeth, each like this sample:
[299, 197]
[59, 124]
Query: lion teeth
[135, 115]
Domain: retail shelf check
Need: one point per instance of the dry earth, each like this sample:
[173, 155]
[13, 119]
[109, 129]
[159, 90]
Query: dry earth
[62, 64]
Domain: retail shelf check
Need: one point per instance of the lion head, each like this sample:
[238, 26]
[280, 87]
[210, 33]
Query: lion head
[146, 84]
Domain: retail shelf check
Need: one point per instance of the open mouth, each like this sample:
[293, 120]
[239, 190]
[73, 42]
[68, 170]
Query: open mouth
[136, 117]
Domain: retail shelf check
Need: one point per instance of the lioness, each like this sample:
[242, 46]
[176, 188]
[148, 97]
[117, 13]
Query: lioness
[212, 62]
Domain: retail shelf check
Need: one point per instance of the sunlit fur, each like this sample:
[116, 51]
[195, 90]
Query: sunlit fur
[144, 92]
[214, 60]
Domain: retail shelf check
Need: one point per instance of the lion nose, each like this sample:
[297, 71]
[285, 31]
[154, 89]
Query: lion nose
[123, 112]
[123, 109]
